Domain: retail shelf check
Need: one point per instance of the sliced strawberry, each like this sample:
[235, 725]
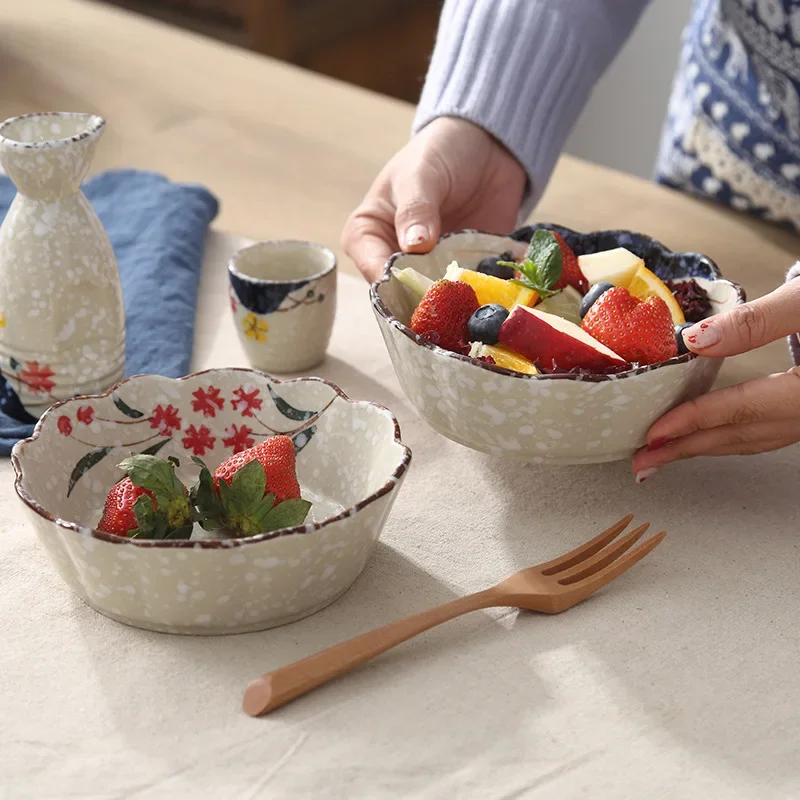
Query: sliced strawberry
[571, 274]
[640, 331]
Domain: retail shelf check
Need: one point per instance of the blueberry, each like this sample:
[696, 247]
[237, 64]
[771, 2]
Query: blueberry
[593, 295]
[679, 329]
[484, 324]
[489, 266]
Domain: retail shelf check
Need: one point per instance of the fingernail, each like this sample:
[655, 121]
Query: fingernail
[702, 335]
[415, 235]
[644, 474]
[662, 441]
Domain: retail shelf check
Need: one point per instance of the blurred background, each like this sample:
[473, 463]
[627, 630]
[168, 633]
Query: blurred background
[384, 46]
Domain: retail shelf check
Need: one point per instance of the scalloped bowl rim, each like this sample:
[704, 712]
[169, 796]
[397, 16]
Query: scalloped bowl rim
[383, 311]
[208, 544]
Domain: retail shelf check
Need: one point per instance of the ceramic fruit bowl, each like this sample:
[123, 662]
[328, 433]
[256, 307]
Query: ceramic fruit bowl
[542, 418]
[350, 464]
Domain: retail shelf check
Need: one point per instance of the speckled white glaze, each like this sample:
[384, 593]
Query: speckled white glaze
[350, 459]
[543, 419]
[283, 300]
[62, 323]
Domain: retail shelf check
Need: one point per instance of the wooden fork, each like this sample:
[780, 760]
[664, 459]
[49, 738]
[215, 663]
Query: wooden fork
[550, 588]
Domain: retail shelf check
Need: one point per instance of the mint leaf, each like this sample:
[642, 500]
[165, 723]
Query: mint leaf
[249, 484]
[545, 252]
[287, 514]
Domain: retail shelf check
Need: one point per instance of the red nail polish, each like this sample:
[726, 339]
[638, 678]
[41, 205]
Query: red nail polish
[692, 340]
[662, 441]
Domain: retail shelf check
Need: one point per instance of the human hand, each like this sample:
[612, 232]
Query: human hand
[451, 175]
[752, 417]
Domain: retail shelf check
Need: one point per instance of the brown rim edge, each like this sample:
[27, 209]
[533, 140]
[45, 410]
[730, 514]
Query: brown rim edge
[209, 544]
[383, 314]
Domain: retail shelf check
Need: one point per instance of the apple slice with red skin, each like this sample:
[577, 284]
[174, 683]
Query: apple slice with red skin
[554, 341]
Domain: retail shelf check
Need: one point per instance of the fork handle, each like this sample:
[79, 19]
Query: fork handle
[285, 684]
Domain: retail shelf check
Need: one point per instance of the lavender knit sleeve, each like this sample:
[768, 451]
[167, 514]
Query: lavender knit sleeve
[523, 70]
[794, 339]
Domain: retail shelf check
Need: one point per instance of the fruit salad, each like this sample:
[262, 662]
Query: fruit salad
[255, 491]
[554, 311]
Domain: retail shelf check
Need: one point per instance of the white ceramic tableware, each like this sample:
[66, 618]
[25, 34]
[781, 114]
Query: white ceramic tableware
[283, 299]
[350, 464]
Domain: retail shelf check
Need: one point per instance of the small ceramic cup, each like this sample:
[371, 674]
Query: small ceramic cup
[283, 298]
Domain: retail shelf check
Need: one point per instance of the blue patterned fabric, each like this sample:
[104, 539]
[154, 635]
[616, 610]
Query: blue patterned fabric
[158, 231]
[733, 128]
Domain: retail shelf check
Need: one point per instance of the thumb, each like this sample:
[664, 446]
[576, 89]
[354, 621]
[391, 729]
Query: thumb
[418, 218]
[748, 326]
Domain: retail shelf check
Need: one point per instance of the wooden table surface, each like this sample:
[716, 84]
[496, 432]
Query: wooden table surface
[688, 684]
[290, 153]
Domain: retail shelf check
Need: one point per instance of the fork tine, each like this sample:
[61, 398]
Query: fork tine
[585, 550]
[599, 579]
[603, 558]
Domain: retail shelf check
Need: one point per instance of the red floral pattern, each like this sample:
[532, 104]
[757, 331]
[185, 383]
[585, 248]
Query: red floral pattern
[165, 420]
[64, 426]
[249, 401]
[238, 437]
[234, 304]
[207, 401]
[37, 376]
[85, 415]
[198, 440]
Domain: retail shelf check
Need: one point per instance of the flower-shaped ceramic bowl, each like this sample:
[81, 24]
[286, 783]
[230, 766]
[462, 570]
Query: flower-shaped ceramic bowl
[551, 419]
[350, 464]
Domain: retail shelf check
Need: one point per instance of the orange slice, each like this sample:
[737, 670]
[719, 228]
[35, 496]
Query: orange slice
[491, 289]
[646, 284]
[504, 357]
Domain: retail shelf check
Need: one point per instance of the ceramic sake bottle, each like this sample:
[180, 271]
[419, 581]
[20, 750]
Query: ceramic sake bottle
[62, 324]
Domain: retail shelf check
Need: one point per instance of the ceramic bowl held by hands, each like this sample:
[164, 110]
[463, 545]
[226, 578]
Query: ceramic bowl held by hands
[350, 464]
[554, 418]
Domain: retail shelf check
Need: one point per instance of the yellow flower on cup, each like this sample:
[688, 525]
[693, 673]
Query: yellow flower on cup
[254, 328]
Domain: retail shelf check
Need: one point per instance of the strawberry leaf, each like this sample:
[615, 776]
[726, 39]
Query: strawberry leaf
[184, 532]
[144, 512]
[226, 499]
[249, 484]
[259, 516]
[156, 475]
[203, 496]
[287, 514]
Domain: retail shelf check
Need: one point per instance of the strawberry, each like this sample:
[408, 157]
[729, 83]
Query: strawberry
[252, 492]
[118, 514]
[149, 503]
[640, 331]
[276, 455]
[571, 274]
[443, 313]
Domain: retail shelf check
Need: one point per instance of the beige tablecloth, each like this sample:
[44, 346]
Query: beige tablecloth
[680, 680]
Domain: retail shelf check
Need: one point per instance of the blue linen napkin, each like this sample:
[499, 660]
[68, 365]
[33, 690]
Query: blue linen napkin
[158, 230]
